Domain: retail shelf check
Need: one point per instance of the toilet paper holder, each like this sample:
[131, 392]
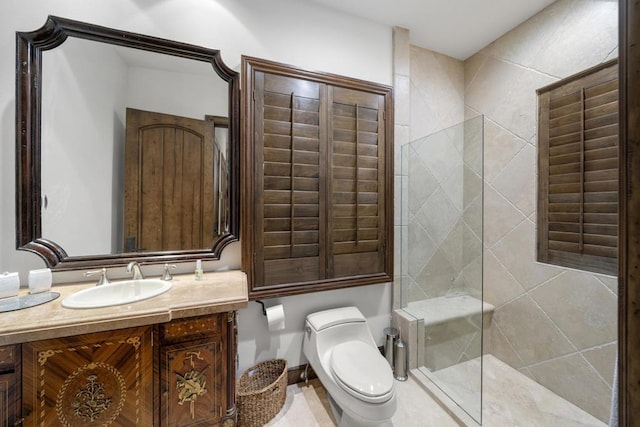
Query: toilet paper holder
[264, 310]
[274, 315]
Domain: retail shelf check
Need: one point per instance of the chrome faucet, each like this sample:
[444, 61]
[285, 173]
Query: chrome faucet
[134, 267]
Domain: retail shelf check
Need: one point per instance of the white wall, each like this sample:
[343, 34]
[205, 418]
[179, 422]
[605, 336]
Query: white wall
[288, 31]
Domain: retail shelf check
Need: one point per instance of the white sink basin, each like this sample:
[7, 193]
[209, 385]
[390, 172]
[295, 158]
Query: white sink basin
[116, 293]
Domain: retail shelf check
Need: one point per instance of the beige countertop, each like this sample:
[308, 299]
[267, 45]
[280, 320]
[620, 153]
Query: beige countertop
[217, 292]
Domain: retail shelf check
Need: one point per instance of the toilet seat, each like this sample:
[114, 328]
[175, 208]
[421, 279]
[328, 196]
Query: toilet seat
[362, 372]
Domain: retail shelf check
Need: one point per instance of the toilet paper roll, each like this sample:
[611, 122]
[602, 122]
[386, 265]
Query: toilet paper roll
[40, 280]
[9, 284]
[275, 317]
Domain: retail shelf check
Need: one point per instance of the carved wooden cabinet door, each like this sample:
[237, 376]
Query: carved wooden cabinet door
[96, 379]
[9, 385]
[193, 371]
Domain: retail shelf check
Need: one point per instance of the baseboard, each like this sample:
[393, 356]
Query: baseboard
[295, 374]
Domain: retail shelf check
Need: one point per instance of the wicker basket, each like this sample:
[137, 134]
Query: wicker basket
[262, 390]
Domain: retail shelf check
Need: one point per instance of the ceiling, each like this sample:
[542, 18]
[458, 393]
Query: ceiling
[457, 28]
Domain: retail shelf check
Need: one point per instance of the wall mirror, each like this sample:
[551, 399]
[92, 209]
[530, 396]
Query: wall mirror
[127, 147]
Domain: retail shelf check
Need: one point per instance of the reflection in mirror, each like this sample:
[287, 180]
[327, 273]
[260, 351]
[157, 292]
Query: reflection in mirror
[86, 88]
[137, 142]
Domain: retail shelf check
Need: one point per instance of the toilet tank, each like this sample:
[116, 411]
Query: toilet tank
[330, 327]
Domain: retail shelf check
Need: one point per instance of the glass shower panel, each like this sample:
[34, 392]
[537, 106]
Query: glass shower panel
[442, 257]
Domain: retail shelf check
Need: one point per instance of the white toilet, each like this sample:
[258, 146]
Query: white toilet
[358, 379]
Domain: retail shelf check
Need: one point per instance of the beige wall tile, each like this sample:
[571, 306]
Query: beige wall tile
[516, 251]
[473, 216]
[472, 186]
[473, 143]
[421, 183]
[603, 360]
[586, 37]
[499, 84]
[500, 216]
[500, 147]
[452, 246]
[609, 281]
[581, 306]
[496, 343]
[499, 285]
[453, 188]
[422, 248]
[473, 278]
[471, 67]
[522, 44]
[401, 51]
[533, 336]
[438, 215]
[438, 152]
[517, 183]
[572, 378]
[437, 276]
[437, 92]
[401, 93]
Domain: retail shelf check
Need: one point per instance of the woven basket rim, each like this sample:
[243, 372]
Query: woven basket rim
[245, 374]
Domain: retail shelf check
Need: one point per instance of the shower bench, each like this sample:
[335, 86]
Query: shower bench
[449, 329]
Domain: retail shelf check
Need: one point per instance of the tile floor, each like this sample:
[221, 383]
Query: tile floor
[510, 399]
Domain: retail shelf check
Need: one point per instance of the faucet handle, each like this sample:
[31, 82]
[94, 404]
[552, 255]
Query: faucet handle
[166, 275]
[103, 280]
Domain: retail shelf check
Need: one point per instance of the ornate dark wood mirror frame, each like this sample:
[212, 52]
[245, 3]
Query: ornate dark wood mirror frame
[29, 48]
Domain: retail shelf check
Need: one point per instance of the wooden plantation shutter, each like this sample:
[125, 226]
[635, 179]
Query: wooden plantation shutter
[357, 182]
[288, 220]
[578, 171]
[318, 180]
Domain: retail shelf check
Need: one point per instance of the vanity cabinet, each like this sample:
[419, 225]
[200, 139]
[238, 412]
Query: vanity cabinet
[179, 373]
[318, 171]
[9, 385]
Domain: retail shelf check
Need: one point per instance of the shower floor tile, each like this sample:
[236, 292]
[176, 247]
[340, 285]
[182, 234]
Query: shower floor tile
[510, 398]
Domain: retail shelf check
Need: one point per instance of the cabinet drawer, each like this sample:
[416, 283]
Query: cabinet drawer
[192, 328]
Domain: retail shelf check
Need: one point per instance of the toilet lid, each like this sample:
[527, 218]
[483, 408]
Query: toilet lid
[362, 369]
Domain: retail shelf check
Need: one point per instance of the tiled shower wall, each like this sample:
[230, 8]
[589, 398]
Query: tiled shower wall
[431, 99]
[555, 325]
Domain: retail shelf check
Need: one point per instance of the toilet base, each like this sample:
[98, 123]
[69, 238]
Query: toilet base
[344, 420]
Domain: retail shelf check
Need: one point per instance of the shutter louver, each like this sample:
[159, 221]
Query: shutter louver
[357, 186]
[579, 171]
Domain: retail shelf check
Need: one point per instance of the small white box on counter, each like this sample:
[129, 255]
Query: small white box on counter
[9, 284]
[40, 281]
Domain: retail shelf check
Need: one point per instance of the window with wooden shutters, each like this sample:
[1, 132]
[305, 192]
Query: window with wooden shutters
[578, 171]
[318, 180]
